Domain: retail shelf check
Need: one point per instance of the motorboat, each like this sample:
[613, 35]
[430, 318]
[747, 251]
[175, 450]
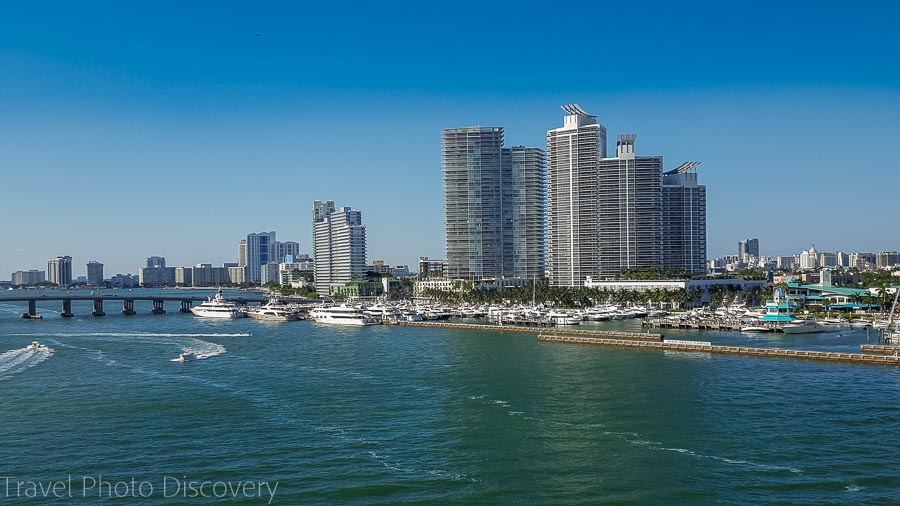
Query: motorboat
[36, 346]
[187, 356]
[559, 318]
[754, 329]
[802, 327]
[273, 311]
[341, 315]
[218, 307]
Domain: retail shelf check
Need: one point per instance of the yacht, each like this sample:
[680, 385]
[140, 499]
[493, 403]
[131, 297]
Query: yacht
[560, 318]
[341, 315]
[273, 311]
[218, 307]
[802, 327]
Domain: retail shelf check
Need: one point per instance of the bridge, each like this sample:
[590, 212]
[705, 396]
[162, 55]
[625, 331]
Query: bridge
[158, 302]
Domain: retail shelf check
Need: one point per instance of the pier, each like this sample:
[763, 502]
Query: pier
[157, 303]
[636, 336]
[856, 358]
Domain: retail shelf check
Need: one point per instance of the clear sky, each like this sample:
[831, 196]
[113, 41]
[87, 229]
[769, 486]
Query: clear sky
[130, 129]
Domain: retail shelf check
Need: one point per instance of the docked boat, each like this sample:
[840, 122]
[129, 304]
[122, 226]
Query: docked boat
[802, 327]
[273, 311]
[559, 318]
[341, 315]
[755, 328]
[218, 307]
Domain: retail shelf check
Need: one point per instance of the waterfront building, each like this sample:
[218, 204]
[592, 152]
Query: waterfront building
[629, 217]
[28, 278]
[705, 286]
[809, 259]
[236, 275]
[155, 262]
[184, 276]
[124, 281]
[59, 270]
[684, 220]
[573, 152]
[379, 267]
[94, 273]
[260, 249]
[205, 275]
[156, 276]
[494, 205]
[748, 249]
[268, 273]
[339, 245]
[431, 268]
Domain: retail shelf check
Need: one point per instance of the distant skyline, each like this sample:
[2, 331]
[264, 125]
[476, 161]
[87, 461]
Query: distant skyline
[173, 129]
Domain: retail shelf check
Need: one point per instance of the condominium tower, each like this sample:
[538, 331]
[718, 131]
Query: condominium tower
[684, 220]
[339, 245]
[59, 270]
[94, 273]
[494, 211]
[629, 212]
[260, 249]
[747, 249]
[573, 192]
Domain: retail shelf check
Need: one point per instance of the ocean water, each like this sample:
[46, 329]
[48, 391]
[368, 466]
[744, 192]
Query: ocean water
[384, 414]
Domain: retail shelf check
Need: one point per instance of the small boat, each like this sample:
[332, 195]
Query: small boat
[190, 356]
[36, 346]
[754, 328]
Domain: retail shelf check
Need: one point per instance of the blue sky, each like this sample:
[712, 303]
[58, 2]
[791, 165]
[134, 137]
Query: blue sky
[172, 128]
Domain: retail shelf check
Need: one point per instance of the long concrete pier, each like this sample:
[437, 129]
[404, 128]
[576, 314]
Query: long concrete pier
[639, 336]
[856, 358]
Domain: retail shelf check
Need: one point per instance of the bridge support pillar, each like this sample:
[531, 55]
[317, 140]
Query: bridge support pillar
[128, 307]
[98, 308]
[185, 306]
[66, 309]
[158, 307]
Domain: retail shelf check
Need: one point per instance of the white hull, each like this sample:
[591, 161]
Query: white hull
[346, 321]
[217, 314]
[803, 328]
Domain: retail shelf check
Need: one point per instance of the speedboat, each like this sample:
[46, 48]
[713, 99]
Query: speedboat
[218, 307]
[36, 346]
[754, 328]
[187, 356]
[802, 327]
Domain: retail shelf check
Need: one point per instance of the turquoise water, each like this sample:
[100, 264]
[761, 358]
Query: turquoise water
[388, 415]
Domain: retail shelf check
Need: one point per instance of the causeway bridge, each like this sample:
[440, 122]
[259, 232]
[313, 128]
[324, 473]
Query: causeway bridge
[158, 302]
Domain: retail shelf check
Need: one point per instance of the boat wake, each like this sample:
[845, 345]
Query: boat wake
[135, 334]
[653, 445]
[14, 361]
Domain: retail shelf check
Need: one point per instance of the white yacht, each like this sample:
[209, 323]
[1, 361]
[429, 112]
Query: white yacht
[218, 307]
[274, 311]
[341, 315]
[802, 327]
[560, 318]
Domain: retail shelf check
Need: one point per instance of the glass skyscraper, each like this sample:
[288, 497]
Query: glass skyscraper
[493, 205]
[339, 245]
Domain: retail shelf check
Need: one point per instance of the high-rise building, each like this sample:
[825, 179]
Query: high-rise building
[27, 278]
[431, 268]
[261, 249]
[494, 205]
[286, 249]
[527, 203]
[684, 220]
[747, 249]
[629, 213]
[473, 202]
[339, 245]
[94, 273]
[573, 152]
[155, 262]
[59, 270]
[242, 253]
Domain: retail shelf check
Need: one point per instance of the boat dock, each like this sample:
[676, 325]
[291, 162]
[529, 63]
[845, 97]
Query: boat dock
[867, 357]
[157, 303]
[635, 336]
